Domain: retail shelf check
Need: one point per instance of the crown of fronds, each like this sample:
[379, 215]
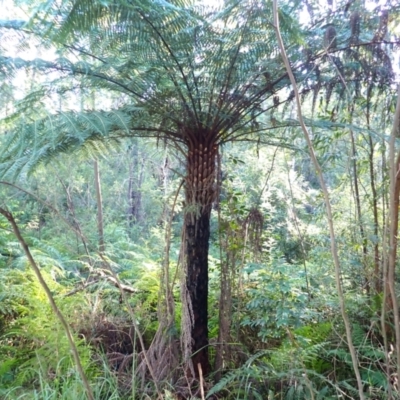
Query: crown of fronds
[181, 67]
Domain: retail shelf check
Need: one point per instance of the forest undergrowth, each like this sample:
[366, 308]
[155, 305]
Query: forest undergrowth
[287, 339]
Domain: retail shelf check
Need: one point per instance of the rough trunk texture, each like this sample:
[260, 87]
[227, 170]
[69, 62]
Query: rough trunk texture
[200, 180]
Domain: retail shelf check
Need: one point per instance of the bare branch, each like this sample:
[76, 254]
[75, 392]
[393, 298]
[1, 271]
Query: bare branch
[317, 166]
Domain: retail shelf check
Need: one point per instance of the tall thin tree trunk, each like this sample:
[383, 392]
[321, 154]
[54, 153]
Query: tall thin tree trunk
[99, 198]
[377, 269]
[225, 299]
[97, 184]
[329, 214]
[53, 304]
[135, 182]
[225, 311]
[200, 180]
[163, 182]
[394, 164]
[358, 208]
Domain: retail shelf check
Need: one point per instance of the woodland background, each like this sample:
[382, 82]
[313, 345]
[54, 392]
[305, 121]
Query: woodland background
[104, 108]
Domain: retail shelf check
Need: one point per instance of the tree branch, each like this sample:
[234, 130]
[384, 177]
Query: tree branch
[53, 304]
[324, 188]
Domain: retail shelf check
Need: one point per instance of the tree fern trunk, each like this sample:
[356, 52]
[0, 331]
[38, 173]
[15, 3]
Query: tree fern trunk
[200, 180]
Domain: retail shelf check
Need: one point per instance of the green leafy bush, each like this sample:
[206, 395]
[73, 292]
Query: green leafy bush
[276, 299]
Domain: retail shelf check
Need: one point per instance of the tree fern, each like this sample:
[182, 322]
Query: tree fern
[195, 76]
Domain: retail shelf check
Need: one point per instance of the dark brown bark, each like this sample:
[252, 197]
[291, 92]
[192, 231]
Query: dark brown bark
[197, 237]
[200, 181]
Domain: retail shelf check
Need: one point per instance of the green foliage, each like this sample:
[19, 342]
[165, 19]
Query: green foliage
[305, 361]
[260, 379]
[174, 71]
[33, 344]
[104, 387]
[277, 298]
